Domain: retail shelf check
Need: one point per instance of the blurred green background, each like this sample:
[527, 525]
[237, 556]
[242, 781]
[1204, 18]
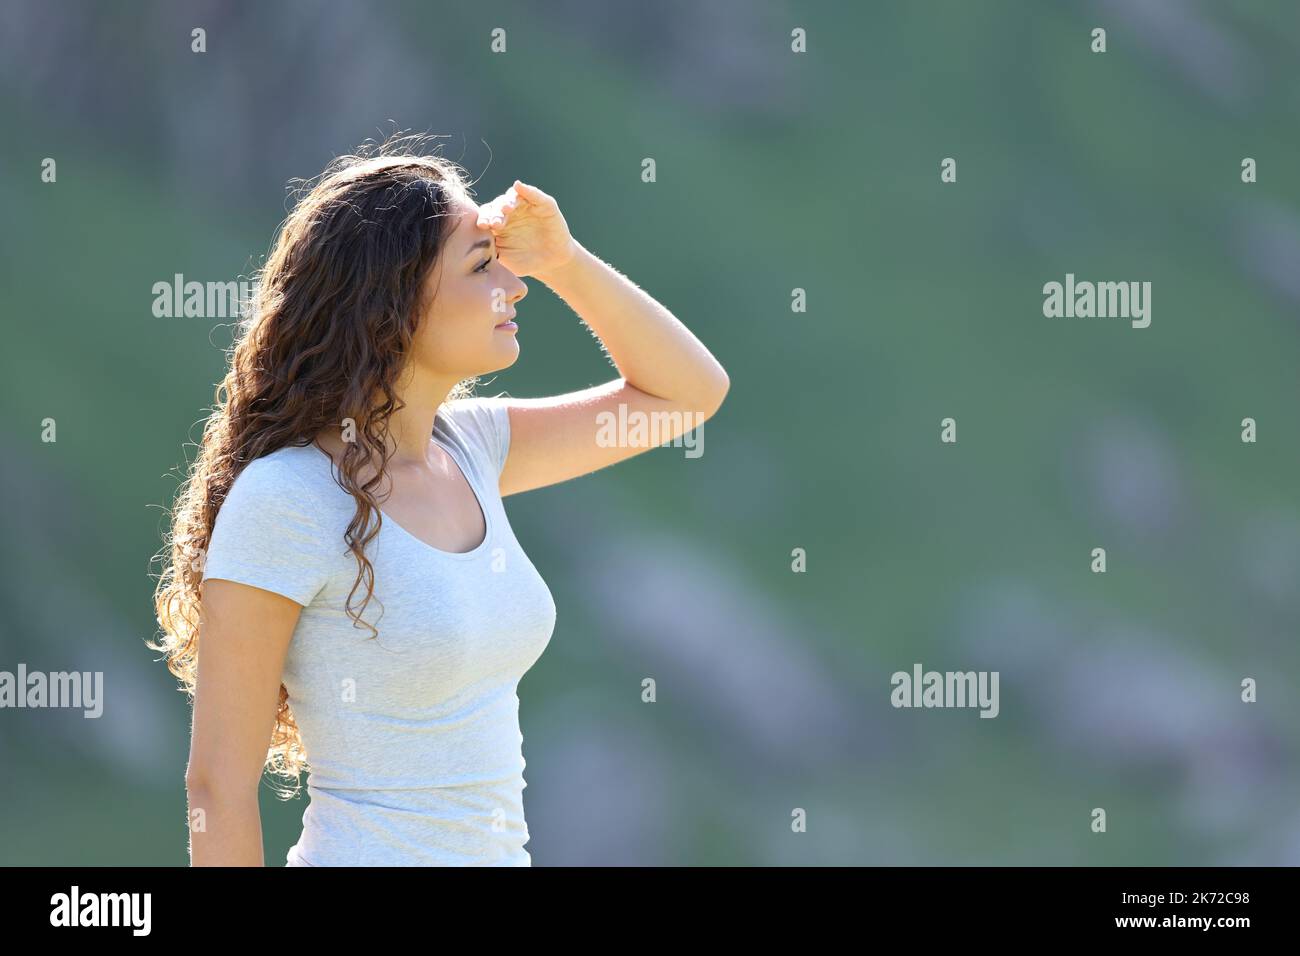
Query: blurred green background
[775, 171]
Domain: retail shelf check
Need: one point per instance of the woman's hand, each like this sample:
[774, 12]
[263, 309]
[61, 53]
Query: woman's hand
[532, 237]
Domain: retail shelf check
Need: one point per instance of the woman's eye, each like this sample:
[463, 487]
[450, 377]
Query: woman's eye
[483, 267]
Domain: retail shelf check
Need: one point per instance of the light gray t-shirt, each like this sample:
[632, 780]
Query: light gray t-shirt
[412, 737]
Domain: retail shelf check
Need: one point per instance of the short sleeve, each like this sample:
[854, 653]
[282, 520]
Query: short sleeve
[267, 534]
[487, 421]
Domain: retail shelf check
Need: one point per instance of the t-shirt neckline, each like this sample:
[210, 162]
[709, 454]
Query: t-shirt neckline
[387, 519]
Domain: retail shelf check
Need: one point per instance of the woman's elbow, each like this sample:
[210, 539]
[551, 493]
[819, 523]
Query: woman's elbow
[716, 394]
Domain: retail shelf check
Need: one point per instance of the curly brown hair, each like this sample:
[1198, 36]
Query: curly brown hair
[324, 340]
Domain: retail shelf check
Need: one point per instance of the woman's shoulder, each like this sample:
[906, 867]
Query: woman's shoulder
[478, 425]
[471, 412]
[271, 530]
[284, 465]
[289, 475]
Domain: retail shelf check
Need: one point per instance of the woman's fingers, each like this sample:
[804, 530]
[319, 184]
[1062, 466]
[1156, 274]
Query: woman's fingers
[499, 209]
[529, 192]
[545, 204]
[520, 197]
[492, 218]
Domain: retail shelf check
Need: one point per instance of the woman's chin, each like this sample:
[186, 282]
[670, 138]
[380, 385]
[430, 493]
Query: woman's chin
[508, 353]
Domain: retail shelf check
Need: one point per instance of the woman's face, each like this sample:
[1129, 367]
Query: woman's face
[459, 336]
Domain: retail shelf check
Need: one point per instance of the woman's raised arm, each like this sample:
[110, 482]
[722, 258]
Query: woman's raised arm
[670, 383]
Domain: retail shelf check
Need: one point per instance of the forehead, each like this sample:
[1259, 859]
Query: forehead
[464, 213]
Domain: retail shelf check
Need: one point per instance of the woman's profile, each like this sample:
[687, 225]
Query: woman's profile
[343, 593]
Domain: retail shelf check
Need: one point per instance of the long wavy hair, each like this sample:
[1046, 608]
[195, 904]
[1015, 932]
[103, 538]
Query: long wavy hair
[323, 340]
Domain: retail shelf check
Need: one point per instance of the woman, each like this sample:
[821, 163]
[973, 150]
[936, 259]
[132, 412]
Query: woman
[348, 461]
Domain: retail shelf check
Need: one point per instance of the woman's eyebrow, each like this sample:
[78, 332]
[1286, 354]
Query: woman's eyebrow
[482, 243]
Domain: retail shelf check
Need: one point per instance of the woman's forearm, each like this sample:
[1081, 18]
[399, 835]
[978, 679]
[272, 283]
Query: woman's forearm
[652, 349]
[225, 830]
